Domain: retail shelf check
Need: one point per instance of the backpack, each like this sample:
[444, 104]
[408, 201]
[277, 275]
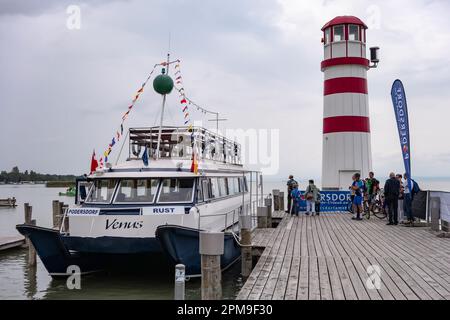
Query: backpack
[415, 188]
[364, 187]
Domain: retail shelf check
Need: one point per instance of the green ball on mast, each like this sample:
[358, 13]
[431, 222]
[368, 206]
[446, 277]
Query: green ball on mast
[163, 83]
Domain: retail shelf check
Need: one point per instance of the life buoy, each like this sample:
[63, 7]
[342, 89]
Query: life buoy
[136, 151]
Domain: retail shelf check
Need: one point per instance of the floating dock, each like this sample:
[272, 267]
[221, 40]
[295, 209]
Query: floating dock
[327, 257]
[11, 242]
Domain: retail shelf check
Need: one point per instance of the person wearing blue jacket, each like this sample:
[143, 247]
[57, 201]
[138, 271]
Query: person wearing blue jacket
[296, 198]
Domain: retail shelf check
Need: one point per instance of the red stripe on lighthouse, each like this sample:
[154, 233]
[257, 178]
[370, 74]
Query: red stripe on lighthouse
[344, 85]
[346, 124]
[344, 61]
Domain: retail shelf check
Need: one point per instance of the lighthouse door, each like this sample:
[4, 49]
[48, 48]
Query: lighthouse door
[345, 178]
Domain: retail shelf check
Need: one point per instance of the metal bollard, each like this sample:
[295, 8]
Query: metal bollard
[180, 278]
[268, 204]
[435, 204]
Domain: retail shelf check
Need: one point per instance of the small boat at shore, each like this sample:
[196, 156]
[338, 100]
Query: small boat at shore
[70, 192]
[9, 202]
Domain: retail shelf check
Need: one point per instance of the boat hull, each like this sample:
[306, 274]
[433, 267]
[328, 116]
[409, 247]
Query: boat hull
[181, 245]
[57, 252]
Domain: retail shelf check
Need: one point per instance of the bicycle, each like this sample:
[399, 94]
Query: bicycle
[378, 206]
[366, 211]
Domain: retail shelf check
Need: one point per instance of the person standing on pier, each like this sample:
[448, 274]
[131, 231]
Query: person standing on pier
[409, 196]
[391, 194]
[372, 185]
[311, 194]
[358, 189]
[317, 204]
[296, 198]
[290, 187]
[401, 198]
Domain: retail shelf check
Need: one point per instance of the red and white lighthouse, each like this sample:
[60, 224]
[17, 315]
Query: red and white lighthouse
[346, 125]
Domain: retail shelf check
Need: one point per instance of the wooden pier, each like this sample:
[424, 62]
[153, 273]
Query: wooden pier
[9, 202]
[327, 257]
[11, 242]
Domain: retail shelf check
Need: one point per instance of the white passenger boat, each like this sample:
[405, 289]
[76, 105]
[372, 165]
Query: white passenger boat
[127, 213]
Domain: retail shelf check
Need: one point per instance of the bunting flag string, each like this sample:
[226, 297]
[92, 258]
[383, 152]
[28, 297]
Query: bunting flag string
[183, 100]
[119, 132]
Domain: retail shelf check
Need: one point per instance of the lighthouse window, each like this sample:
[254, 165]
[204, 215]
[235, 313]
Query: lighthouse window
[176, 190]
[338, 32]
[137, 190]
[353, 32]
[327, 35]
[101, 191]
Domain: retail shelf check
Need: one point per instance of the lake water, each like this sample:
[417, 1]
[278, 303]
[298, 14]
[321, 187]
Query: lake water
[17, 281]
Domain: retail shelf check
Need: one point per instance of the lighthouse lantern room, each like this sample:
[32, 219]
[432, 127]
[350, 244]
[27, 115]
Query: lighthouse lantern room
[346, 125]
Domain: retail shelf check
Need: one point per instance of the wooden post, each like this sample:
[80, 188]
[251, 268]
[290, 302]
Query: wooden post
[246, 242]
[261, 213]
[31, 250]
[28, 212]
[281, 201]
[435, 204]
[211, 247]
[28, 220]
[66, 219]
[268, 204]
[276, 203]
[180, 278]
[55, 207]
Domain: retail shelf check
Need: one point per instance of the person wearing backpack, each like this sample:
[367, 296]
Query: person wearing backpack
[409, 196]
[296, 198]
[391, 194]
[290, 187]
[311, 198]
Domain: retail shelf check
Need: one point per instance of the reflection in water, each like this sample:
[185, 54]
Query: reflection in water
[30, 279]
[18, 281]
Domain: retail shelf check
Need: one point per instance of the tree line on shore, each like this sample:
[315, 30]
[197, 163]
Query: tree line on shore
[15, 176]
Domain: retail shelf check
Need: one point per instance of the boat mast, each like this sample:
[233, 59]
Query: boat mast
[158, 153]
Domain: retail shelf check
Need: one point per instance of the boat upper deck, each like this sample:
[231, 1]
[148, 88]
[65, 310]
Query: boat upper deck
[180, 143]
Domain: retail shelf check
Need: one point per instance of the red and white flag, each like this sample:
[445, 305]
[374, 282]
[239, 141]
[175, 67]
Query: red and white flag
[94, 162]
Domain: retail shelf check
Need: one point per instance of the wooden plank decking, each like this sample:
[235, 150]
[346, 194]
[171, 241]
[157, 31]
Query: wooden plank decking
[11, 242]
[326, 257]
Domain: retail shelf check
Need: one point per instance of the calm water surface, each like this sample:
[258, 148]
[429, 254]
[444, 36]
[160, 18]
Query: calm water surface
[19, 282]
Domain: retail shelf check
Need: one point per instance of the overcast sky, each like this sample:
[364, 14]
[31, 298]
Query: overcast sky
[63, 92]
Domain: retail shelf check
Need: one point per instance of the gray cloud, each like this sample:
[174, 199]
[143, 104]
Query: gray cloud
[257, 62]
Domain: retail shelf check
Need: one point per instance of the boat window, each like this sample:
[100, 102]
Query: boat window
[223, 187]
[243, 184]
[206, 187]
[214, 188]
[137, 190]
[353, 32]
[338, 33]
[327, 35]
[176, 190]
[199, 192]
[101, 190]
[232, 186]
